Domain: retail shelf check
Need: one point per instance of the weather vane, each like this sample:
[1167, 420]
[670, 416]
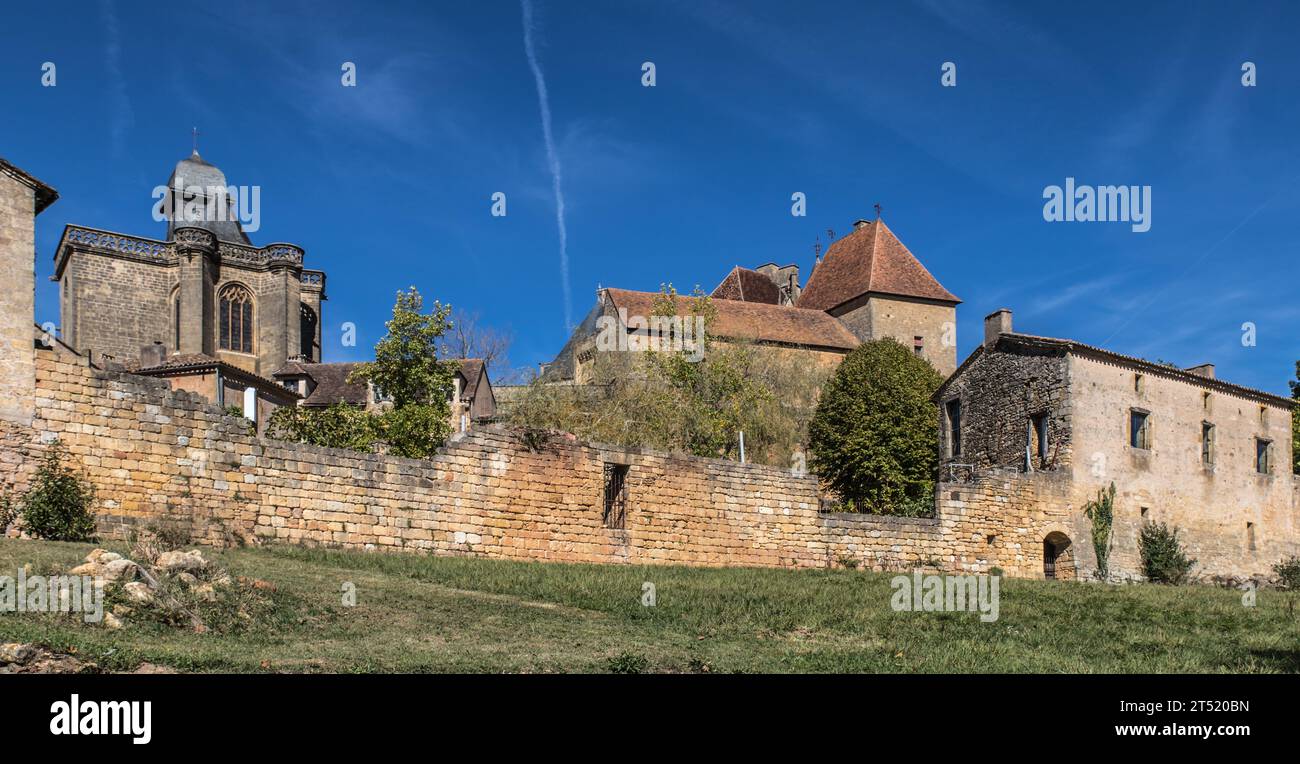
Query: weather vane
[877, 206]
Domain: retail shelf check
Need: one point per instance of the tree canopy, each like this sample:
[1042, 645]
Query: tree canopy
[874, 436]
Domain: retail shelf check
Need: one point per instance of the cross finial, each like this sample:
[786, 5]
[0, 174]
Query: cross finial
[195, 135]
[817, 247]
[877, 206]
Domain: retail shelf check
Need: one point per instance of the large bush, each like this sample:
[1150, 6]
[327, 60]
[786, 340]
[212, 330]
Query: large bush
[875, 434]
[1288, 573]
[1163, 559]
[337, 426]
[58, 504]
[669, 401]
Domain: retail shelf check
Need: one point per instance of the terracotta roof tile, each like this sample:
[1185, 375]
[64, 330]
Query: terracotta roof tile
[749, 286]
[871, 259]
[753, 320]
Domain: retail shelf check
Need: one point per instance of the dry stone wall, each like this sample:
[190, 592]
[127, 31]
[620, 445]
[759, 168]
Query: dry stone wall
[156, 455]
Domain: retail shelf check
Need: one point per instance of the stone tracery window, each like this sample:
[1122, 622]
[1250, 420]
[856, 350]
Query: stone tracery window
[235, 319]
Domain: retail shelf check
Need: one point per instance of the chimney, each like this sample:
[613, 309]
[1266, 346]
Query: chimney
[153, 355]
[860, 223]
[996, 324]
[1204, 370]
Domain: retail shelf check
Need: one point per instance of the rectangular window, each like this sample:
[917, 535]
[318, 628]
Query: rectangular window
[1139, 429]
[918, 345]
[615, 514]
[1207, 444]
[1137, 383]
[1263, 456]
[953, 409]
[1250, 536]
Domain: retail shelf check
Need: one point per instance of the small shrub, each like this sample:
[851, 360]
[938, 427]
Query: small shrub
[995, 571]
[1163, 560]
[847, 562]
[1101, 511]
[58, 504]
[8, 510]
[628, 663]
[1288, 573]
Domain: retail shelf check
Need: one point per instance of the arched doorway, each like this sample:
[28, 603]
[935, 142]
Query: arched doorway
[1058, 557]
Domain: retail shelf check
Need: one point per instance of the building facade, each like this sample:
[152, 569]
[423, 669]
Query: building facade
[203, 290]
[1208, 457]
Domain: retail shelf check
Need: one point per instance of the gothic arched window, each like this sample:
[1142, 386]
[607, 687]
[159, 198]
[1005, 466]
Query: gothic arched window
[235, 320]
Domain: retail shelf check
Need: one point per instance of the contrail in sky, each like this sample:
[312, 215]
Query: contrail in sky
[552, 159]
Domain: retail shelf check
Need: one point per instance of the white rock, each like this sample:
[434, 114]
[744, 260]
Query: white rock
[16, 652]
[112, 622]
[174, 562]
[138, 591]
[119, 569]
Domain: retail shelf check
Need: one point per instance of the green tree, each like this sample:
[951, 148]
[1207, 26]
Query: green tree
[874, 437]
[408, 371]
[337, 426]
[1295, 422]
[1163, 559]
[58, 504]
[685, 400]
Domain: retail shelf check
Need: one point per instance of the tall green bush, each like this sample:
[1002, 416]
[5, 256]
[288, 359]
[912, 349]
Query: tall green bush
[1163, 559]
[874, 438]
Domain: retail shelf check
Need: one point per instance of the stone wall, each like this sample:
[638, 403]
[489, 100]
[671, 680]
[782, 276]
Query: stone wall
[17, 297]
[113, 304]
[158, 455]
[1231, 518]
[874, 316]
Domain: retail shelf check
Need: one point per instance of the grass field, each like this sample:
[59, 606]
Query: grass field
[452, 614]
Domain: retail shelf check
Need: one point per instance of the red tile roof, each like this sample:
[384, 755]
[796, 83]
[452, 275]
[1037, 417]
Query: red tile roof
[752, 320]
[189, 363]
[870, 259]
[749, 286]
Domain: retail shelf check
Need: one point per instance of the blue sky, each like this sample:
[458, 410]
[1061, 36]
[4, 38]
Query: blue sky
[389, 184]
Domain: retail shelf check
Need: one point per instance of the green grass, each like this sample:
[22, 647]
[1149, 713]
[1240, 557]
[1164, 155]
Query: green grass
[455, 614]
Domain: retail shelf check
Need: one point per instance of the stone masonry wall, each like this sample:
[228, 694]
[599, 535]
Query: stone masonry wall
[17, 298]
[158, 455]
[154, 454]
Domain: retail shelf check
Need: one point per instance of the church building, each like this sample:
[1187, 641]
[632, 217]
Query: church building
[203, 306]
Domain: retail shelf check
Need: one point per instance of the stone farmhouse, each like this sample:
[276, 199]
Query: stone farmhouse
[210, 313]
[1032, 427]
[1181, 447]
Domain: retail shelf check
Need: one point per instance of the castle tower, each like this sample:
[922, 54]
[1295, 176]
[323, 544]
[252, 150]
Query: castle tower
[877, 288]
